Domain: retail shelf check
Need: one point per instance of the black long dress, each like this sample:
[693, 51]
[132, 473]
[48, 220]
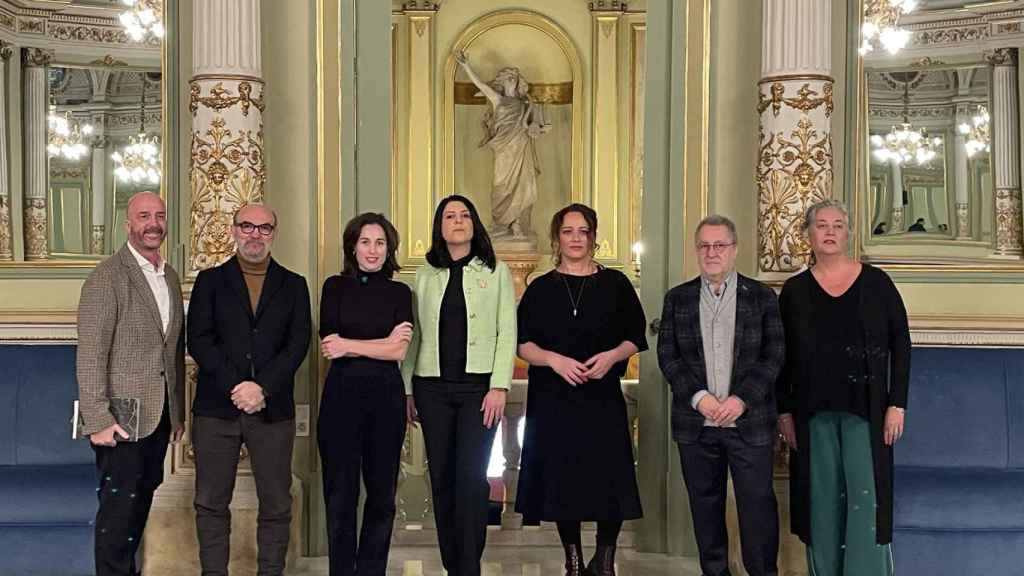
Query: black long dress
[577, 461]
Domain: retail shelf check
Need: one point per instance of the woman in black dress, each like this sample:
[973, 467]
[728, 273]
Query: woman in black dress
[578, 326]
[366, 325]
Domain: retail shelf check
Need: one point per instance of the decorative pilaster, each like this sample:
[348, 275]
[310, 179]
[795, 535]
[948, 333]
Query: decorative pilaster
[898, 222]
[794, 168]
[960, 176]
[1005, 152]
[99, 187]
[605, 18]
[36, 88]
[421, 15]
[6, 236]
[227, 167]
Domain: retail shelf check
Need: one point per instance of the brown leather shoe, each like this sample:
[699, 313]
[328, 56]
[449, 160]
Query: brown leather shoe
[603, 562]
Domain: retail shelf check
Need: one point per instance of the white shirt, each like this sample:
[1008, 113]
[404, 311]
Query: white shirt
[157, 284]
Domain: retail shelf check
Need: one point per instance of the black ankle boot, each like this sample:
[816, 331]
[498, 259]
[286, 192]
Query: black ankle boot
[573, 560]
[603, 562]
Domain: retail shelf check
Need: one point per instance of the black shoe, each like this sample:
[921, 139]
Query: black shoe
[573, 560]
[603, 562]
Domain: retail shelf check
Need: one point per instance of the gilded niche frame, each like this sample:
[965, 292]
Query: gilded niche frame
[81, 265]
[857, 180]
[465, 39]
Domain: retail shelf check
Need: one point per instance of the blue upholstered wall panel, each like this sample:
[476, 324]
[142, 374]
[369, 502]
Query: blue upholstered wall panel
[960, 395]
[36, 396]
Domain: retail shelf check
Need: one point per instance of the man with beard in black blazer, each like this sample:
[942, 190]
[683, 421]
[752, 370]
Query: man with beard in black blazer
[248, 330]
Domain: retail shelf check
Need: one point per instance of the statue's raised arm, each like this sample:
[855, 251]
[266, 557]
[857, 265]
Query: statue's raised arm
[492, 96]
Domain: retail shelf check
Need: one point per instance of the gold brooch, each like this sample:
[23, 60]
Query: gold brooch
[482, 282]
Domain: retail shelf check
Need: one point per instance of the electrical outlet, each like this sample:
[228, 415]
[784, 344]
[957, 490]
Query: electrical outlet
[302, 419]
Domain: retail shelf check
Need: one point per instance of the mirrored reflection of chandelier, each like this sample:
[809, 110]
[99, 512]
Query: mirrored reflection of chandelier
[880, 29]
[905, 144]
[139, 161]
[976, 133]
[65, 135]
[142, 18]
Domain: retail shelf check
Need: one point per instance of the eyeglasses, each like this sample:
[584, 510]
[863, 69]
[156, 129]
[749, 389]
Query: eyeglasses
[248, 227]
[716, 248]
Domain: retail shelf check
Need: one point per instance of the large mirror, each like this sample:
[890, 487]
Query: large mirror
[104, 128]
[928, 140]
[85, 109]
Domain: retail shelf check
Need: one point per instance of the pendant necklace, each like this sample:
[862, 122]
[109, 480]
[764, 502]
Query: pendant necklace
[579, 297]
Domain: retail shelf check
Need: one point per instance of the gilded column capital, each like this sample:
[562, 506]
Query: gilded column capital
[1002, 57]
[608, 5]
[421, 6]
[6, 50]
[39, 57]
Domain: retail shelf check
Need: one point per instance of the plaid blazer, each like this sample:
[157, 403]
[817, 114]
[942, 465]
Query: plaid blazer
[122, 349]
[758, 354]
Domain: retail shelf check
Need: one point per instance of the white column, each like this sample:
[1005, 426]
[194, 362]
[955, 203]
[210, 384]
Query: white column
[226, 101]
[898, 222]
[99, 187]
[36, 91]
[961, 176]
[6, 235]
[795, 104]
[1005, 152]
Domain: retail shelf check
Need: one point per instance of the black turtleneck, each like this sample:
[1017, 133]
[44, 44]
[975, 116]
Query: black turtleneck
[453, 327]
[363, 307]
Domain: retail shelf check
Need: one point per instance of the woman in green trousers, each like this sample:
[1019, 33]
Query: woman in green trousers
[842, 396]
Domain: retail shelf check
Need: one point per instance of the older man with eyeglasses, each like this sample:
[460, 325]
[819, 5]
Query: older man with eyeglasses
[248, 330]
[721, 347]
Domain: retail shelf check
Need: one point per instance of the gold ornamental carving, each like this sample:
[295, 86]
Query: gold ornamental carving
[38, 57]
[31, 25]
[95, 34]
[554, 93]
[97, 237]
[35, 229]
[806, 99]
[1008, 222]
[108, 61]
[221, 98]
[421, 6]
[227, 173]
[792, 173]
[6, 251]
[963, 221]
[608, 5]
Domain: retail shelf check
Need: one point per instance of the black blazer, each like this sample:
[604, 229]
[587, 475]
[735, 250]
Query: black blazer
[758, 353]
[231, 344]
[883, 320]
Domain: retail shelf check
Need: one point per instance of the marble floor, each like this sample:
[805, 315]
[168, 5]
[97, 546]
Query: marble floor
[513, 561]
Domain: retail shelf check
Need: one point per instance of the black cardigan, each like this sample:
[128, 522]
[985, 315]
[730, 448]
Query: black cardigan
[887, 370]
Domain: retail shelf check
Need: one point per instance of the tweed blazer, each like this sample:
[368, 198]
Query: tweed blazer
[758, 355]
[122, 349]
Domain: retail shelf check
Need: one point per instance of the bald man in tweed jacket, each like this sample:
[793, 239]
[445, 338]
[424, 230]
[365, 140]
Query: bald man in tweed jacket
[131, 345]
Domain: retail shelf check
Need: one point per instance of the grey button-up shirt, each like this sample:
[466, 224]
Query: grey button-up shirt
[717, 330]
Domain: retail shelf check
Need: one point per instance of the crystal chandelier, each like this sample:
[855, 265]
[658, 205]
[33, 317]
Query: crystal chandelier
[903, 144]
[139, 162]
[879, 27]
[141, 18]
[65, 136]
[976, 133]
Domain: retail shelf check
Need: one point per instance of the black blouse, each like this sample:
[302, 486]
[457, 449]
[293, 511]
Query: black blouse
[839, 385]
[453, 328]
[364, 307]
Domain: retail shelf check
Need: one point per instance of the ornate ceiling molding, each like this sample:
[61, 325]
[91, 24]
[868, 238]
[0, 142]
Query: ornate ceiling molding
[69, 23]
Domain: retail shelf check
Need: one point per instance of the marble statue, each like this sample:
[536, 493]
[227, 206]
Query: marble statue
[511, 124]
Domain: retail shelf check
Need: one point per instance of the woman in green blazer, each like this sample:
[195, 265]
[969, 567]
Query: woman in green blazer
[458, 370]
